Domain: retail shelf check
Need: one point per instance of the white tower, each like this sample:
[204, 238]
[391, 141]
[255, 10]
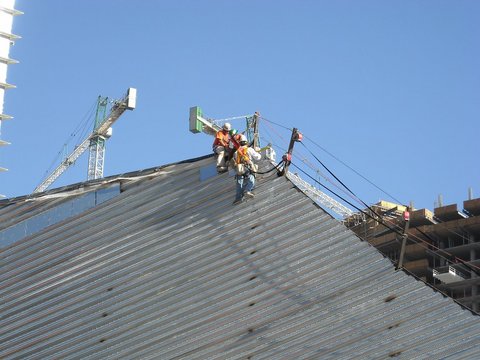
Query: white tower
[7, 13]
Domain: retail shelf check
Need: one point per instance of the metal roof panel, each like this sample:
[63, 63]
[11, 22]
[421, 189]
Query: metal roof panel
[169, 268]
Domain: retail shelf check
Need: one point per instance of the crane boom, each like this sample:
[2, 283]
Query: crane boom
[69, 160]
[127, 103]
[118, 108]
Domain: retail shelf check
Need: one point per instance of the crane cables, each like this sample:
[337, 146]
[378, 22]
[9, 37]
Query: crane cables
[80, 131]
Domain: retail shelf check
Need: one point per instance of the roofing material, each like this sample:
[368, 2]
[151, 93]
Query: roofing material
[169, 268]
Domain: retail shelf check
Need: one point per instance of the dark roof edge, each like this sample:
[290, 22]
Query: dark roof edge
[92, 183]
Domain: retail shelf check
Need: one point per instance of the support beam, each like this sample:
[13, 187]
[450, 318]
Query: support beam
[406, 219]
[287, 158]
[256, 141]
[473, 275]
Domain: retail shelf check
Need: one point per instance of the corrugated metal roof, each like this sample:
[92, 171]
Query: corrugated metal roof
[169, 268]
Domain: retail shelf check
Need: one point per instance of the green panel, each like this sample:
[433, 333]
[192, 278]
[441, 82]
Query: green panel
[195, 125]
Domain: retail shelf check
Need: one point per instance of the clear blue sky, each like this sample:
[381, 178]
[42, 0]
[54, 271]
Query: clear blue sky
[392, 88]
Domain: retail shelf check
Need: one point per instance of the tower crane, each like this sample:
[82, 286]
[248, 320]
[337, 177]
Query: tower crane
[96, 140]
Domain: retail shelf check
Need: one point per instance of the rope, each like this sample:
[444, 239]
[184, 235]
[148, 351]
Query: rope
[274, 123]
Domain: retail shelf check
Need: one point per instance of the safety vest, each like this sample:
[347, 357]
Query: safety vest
[221, 139]
[242, 155]
[234, 141]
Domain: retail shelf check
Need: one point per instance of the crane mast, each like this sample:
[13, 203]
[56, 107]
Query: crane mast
[96, 140]
[96, 155]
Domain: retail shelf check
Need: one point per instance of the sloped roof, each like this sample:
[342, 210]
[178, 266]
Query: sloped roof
[169, 268]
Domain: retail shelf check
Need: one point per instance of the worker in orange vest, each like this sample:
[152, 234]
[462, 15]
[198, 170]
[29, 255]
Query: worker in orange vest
[233, 145]
[220, 146]
[245, 170]
[234, 139]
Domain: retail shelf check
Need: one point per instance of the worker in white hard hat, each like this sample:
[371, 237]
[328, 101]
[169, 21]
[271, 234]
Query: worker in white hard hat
[220, 146]
[245, 170]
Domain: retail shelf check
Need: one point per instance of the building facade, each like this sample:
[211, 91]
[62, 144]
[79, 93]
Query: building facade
[442, 247]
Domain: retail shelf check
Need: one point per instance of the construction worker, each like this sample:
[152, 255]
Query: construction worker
[233, 145]
[220, 146]
[245, 169]
[234, 139]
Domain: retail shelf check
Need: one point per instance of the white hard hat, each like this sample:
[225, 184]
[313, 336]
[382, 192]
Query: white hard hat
[243, 138]
[227, 126]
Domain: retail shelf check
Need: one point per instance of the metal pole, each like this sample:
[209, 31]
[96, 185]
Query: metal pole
[406, 218]
[287, 158]
[256, 142]
[473, 275]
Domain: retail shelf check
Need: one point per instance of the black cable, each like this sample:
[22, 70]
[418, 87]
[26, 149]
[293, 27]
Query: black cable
[464, 262]
[331, 173]
[311, 166]
[391, 196]
[346, 187]
[355, 171]
[341, 182]
[379, 217]
[331, 191]
[380, 220]
[275, 167]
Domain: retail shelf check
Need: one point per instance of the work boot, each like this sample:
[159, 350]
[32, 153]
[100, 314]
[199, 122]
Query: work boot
[249, 194]
[237, 201]
[221, 169]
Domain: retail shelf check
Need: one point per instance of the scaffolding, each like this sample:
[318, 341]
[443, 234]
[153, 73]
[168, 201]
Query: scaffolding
[443, 246]
[7, 39]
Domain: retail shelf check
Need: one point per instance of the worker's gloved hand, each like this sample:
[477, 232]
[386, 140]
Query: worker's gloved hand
[256, 148]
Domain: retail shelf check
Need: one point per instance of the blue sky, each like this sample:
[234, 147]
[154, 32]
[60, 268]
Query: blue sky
[391, 88]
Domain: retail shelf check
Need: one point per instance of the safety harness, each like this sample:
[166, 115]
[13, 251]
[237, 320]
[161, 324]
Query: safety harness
[243, 164]
[242, 155]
